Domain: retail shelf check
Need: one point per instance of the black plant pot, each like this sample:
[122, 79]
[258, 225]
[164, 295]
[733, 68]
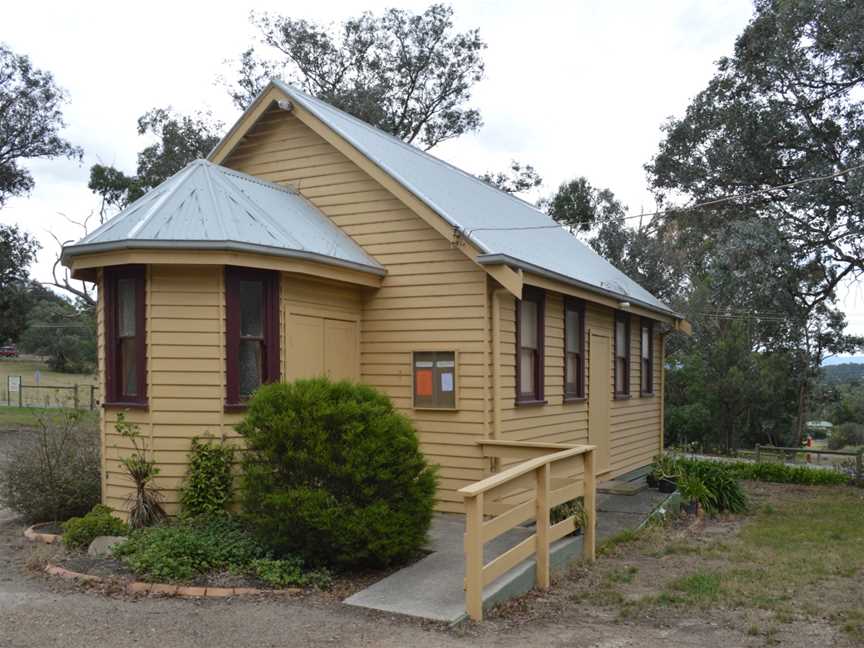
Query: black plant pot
[651, 478]
[667, 485]
[692, 507]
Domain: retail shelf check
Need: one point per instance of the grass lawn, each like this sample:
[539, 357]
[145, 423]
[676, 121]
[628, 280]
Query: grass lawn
[25, 417]
[789, 572]
[26, 368]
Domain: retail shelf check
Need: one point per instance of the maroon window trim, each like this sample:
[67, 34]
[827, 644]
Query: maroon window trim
[270, 360]
[622, 318]
[575, 390]
[646, 365]
[537, 296]
[114, 395]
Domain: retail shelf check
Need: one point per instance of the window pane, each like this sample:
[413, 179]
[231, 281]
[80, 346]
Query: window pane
[646, 376]
[126, 307]
[572, 377]
[128, 367]
[251, 309]
[528, 325]
[571, 321]
[646, 342]
[620, 338]
[249, 366]
[526, 369]
[620, 375]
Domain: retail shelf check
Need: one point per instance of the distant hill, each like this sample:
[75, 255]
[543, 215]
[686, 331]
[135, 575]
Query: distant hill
[837, 360]
[843, 373]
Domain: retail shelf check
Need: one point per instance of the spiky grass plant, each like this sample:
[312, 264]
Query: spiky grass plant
[145, 504]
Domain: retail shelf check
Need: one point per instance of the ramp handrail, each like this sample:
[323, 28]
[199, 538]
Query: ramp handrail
[550, 474]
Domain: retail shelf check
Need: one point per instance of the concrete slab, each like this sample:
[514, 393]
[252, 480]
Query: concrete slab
[432, 588]
[616, 487]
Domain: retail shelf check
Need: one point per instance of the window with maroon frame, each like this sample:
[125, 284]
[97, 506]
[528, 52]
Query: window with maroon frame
[622, 355]
[574, 349]
[125, 341]
[646, 357]
[529, 346]
[251, 331]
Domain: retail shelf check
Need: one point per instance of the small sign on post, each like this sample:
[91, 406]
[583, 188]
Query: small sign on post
[13, 385]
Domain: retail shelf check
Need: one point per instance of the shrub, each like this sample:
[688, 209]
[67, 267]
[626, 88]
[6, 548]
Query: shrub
[182, 550]
[289, 572]
[333, 473]
[846, 434]
[145, 504]
[784, 474]
[209, 482]
[53, 473]
[79, 532]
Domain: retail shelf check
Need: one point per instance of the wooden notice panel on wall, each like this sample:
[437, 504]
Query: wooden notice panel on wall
[435, 379]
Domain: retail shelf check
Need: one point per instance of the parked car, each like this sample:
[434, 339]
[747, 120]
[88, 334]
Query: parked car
[8, 351]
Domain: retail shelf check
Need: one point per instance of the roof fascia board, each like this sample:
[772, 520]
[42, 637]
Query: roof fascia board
[547, 283]
[83, 265]
[433, 219]
[247, 120]
[510, 279]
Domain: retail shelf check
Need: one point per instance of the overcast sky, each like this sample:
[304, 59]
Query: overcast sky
[574, 88]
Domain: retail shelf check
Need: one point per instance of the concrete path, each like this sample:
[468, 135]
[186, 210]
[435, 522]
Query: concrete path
[432, 588]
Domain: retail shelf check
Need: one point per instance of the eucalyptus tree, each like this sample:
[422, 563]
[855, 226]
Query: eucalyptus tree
[31, 120]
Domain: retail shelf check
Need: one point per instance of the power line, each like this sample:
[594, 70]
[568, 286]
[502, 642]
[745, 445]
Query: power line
[666, 212]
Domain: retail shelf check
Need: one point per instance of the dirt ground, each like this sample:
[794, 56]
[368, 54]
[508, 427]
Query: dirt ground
[601, 607]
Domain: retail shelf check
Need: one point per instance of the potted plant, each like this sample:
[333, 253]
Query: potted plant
[666, 473]
[694, 493]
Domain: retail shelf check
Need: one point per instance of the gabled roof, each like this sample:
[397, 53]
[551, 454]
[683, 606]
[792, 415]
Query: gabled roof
[480, 212]
[208, 207]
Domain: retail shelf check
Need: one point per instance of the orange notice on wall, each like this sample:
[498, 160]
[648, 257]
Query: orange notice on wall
[423, 382]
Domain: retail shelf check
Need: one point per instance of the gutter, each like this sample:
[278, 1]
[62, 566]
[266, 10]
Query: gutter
[506, 259]
[71, 251]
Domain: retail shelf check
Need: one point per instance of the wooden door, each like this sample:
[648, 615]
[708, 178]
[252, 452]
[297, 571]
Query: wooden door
[599, 398]
[320, 346]
[340, 350]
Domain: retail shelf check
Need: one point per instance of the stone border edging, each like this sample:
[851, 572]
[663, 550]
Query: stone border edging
[48, 538]
[164, 589]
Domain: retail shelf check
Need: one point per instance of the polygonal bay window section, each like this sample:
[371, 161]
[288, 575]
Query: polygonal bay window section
[125, 336]
[252, 332]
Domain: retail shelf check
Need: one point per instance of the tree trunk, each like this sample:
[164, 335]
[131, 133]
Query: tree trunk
[802, 412]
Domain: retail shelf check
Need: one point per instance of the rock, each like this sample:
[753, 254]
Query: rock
[101, 546]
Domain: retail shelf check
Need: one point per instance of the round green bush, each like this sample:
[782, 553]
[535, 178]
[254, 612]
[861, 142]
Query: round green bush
[79, 532]
[333, 473]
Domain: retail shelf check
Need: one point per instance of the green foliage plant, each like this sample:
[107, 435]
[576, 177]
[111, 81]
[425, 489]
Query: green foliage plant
[209, 483]
[145, 504]
[290, 572]
[79, 532]
[334, 474]
[185, 549]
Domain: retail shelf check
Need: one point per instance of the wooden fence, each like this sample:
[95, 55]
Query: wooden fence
[857, 455]
[549, 474]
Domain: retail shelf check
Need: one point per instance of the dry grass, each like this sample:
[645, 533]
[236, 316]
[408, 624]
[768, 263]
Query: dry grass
[42, 397]
[790, 568]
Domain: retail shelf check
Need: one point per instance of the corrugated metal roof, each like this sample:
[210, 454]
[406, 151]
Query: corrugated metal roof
[206, 206]
[471, 205]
